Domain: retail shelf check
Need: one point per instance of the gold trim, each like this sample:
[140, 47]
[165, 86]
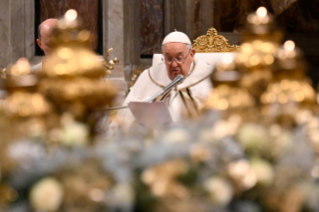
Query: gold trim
[149, 74]
[212, 42]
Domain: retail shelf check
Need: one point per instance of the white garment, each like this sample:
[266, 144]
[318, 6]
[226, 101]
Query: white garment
[195, 88]
[36, 68]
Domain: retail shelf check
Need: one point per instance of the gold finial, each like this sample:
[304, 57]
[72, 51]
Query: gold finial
[109, 65]
[212, 42]
[3, 73]
[22, 100]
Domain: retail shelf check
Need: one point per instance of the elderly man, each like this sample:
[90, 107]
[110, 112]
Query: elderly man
[45, 31]
[183, 100]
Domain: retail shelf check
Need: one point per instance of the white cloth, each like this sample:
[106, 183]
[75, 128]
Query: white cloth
[36, 68]
[195, 90]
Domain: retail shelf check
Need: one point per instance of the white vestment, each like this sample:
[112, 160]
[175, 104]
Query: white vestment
[36, 68]
[186, 98]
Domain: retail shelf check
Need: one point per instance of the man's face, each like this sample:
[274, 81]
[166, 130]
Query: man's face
[44, 44]
[174, 52]
[46, 31]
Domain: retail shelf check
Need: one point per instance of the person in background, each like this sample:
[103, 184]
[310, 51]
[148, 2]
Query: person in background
[45, 31]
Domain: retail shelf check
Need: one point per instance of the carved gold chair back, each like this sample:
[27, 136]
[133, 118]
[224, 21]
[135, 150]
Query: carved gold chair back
[212, 42]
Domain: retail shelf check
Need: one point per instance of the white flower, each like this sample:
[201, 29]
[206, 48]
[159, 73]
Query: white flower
[46, 195]
[253, 137]
[224, 128]
[74, 134]
[123, 194]
[220, 190]
[263, 171]
[176, 136]
[242, 174]
[205, 135]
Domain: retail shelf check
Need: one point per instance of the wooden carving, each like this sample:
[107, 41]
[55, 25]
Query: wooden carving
[212, 42]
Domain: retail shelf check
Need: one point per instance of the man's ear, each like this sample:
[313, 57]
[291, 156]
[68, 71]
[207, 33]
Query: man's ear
[39, 43]
[193, 51]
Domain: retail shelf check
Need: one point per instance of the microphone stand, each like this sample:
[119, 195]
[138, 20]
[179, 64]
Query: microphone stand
[179, 79]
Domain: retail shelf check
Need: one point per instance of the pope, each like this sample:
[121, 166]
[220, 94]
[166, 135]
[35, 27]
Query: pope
[183, 100]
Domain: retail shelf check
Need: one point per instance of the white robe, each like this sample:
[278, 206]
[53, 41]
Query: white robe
[186, 99]
[36, 68]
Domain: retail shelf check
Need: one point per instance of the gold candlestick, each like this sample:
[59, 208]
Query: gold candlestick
[260, 39]
[72, 73]
[290, 92]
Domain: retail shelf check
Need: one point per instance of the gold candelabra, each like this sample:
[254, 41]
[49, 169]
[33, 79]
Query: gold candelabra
[263, 76]
[73, 72]
[260, 39]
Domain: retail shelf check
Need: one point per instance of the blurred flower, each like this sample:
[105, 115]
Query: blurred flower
[253, 137]
[199, 153]
[47, 195]
[221, 192]
[162, 178]
[303, 116]
[227, 127]
[74, 134]
[242, 173]
[310, 194]
[123, 194]
[176, 136]
[263, 171]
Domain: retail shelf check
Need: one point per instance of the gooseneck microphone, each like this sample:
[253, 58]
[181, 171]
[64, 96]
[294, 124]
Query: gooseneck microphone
[178, 80]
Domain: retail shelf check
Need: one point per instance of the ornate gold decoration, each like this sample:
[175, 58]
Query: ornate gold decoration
[261, 38]
[73, 74]
[109, 65]
[227, 93]
[289, 91]
[3, 73]
[212, 42]
[23, 100]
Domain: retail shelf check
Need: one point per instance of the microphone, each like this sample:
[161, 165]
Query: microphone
[179, 79]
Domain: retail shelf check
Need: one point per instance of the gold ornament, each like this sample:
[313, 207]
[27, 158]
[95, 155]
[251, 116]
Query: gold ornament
[260, 39]
[73, 74]
[23, 101]
[109, 65]
[227, 93]
[3, 73]
[290, 91]
[212, 42]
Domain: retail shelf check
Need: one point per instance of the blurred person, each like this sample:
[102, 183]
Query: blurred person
[45, 31]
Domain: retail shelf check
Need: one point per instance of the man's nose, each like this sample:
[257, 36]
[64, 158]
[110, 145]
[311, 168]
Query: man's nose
[174, 63]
